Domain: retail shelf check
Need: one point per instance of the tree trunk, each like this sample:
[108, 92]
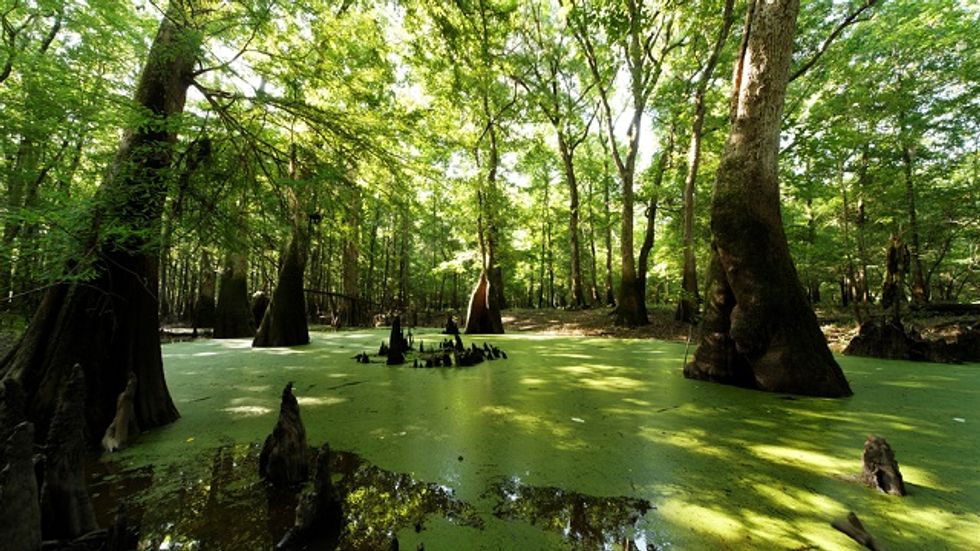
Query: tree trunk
[575, 276]
[284, 322]
[610, 297]
[353, 313]
[483, 313]
[689, 307]
[919, 292]
[204, 308]
[759, 331]
[594, 272]
[233, 315]
[110, 324]
[649, 234]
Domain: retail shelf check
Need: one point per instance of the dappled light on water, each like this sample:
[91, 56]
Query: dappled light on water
[583, 419]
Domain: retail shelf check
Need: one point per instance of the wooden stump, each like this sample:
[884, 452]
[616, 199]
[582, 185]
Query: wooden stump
[879, 467]
[284, 460]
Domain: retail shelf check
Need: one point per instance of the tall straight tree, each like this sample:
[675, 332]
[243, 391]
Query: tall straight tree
[644, 35]
[759, 331]
[110, 324]
[553, 81]
[687, 308]
[473, 37]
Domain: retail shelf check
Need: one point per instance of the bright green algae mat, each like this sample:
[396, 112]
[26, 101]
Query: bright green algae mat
[725, 468]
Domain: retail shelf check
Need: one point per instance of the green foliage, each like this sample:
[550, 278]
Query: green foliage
[396, 134]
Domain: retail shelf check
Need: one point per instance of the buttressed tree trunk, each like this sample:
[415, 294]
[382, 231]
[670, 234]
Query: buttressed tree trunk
[110, 324]
[233, 315]
[284, 323]
[759, 331]
[483, 313]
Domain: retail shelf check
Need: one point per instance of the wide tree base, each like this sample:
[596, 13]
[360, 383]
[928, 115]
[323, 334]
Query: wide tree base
[781, 368]
[483, 314]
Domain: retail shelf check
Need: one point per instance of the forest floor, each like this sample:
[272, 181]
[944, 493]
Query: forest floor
[594, 322]
[837, 324]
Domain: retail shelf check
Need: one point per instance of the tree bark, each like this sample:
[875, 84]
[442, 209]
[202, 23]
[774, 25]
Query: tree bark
[233, 314]
[110, 324]
[204, 305]
[353, 313]
[567, 151]
[919, 292]
[284, 322]
[759, 330]
[688, 308]
[609, 293]
[649, 234]
[594, 272]
[483, 312]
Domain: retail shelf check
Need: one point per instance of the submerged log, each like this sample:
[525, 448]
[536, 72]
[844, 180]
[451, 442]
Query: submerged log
[284, 460]
[124, 424]
[319, 512]
[66, 508]
[893, 341]
[20, 512]
[879, 467]
[853, 528]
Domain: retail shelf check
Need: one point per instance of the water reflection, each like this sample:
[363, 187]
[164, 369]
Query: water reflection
[228, 507]
[585, 522]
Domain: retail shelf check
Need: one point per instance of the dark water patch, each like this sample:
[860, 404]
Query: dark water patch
[224, 505]
[584, 521]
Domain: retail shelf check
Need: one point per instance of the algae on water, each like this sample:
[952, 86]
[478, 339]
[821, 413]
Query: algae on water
[598, 420]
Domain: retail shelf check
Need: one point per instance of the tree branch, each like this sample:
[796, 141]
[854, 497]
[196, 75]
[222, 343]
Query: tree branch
[848, 21]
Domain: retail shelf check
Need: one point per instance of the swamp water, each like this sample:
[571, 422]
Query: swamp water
[570, 443]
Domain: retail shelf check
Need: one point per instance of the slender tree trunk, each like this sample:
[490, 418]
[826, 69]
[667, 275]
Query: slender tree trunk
[486, 301]
[575, 275]
[920, 293]
[204, 309]
[864, 290]
[593, 272]
[688, 309]
[375, 224]
[110, 324]
[759, 331]
[353, 312]
[610, 297]
[649, 234]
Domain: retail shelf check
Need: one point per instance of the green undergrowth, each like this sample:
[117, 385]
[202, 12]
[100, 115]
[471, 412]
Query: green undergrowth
[723, 468]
